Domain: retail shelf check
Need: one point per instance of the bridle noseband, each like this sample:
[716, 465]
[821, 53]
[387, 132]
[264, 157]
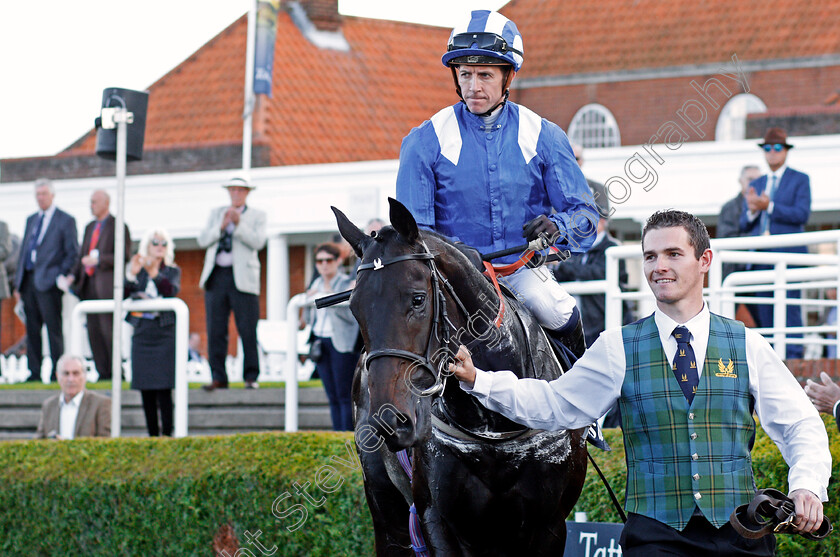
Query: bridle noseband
[440, 321]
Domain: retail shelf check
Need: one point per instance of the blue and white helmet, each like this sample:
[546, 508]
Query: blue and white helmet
[486, 38]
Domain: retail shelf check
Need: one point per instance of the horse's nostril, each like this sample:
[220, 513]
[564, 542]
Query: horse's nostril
[393, 426]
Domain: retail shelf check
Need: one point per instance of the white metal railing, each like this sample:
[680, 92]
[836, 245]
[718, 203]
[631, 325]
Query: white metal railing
[297, 302]
[182, 323]
[817, 272]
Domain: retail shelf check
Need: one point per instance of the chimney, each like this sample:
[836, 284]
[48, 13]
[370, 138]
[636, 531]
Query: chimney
[322, 13]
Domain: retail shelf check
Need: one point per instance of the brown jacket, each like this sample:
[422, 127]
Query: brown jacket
[93, 419]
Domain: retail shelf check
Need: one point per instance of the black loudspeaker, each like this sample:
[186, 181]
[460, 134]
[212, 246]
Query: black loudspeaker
[106, 140]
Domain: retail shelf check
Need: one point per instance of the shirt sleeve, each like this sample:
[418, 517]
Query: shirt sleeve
[789, 418]
[416, 182]
[564, 403]
[576, 217]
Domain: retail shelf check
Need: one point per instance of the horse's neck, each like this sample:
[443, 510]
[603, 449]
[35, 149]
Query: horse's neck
[478, 296]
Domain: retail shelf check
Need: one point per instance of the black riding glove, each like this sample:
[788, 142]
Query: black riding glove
[540, 226]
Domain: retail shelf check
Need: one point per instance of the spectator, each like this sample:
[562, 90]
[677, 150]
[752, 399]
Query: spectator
[593, 265]
[231, 281]
[730, 215]
[778, 203]
[336, 330]
[680, 423]
[488, 172]
[47, 254]
[93, 278]
[194, 349]
[825, 396]
[75, 412]
[151, 274]
[5, 253]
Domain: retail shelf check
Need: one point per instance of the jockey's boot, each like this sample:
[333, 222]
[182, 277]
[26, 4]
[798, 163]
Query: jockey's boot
[570, 335]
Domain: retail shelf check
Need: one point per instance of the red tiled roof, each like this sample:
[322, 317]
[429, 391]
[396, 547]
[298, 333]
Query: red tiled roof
[333, 106]
[327, 106]
[565, 37]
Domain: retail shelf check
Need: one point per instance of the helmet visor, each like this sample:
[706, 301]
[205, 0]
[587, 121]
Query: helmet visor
[482, 41]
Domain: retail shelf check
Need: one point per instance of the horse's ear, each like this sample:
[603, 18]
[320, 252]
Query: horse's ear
[350, 232]
[403, 221]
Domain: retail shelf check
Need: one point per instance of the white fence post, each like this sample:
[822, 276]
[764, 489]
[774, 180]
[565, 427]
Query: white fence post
[182, 324]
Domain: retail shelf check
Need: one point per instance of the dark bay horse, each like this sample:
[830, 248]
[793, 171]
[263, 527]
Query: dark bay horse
[482, 485]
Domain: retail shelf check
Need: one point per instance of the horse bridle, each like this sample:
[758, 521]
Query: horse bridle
[440, 320]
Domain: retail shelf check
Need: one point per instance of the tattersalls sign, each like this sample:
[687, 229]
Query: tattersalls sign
[592, 539]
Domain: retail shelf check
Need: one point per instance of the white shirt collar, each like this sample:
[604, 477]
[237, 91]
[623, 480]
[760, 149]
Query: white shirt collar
[75, 401]
[779, 172]
[698, 326]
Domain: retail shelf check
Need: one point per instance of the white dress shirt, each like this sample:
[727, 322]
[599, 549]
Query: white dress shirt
[68, 411]
[783, 409]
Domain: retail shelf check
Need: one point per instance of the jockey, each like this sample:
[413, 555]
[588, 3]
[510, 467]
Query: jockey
[488, 172]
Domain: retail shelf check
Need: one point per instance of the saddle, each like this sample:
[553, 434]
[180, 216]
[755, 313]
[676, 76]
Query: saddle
[771, 511]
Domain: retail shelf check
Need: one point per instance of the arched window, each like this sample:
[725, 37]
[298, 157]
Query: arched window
[594, 126]
[732, 122]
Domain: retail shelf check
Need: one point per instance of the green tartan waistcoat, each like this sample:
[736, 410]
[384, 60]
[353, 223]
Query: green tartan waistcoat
[679, 456]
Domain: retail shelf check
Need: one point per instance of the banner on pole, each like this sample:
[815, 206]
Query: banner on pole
[264, 45]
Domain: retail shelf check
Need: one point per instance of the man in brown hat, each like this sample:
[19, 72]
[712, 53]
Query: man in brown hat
[231, 280]
[778, 203]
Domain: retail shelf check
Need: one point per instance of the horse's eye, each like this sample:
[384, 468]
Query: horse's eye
[417, 300]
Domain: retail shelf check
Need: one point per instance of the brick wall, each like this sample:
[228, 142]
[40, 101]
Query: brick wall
[642, 107]
[817, 123]
[323, 14]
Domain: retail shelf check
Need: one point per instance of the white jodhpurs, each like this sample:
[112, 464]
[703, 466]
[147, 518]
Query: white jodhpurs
[541, 293]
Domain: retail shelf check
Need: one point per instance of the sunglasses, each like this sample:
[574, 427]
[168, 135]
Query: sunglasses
[327, 260]
[158, 243]
[775, 147]
[482, 41]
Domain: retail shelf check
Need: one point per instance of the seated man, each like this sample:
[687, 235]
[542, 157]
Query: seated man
[75, 412]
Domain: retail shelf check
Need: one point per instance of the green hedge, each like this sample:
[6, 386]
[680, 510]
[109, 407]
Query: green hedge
[156, 497]
[143, 497]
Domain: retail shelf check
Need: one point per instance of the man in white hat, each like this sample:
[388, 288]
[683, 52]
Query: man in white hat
[231, 280]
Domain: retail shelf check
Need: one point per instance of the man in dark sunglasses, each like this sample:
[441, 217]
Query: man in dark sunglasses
[492, 174]
[778, 203]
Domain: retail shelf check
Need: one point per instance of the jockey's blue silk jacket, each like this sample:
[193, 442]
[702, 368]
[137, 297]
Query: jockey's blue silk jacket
[479, 184]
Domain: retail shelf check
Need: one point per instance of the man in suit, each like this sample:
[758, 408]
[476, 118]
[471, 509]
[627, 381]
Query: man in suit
[778, 203]
[688, 382]
[231, 280]
[5, 252]
[93, 277]
[75, 412]
[48, 251]
[729, 220]
[592, 265]
[825, 396]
